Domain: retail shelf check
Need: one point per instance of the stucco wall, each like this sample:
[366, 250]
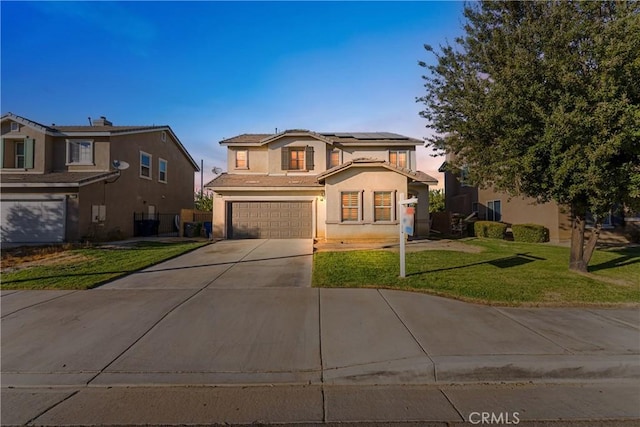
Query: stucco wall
[524, 210]
[38, 148]
[367, 181]
[221, 198]
[319, 154]
[381, 153]
[258, 159]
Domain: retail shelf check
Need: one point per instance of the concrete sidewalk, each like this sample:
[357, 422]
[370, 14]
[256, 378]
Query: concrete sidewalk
[185, 350]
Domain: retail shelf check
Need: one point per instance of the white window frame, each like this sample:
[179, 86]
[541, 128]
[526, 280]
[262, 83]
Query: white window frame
[15, 126]
[70, 162]
[163, 136]
[407, 158]
[166, 167]
[150, 167]
[246, 159]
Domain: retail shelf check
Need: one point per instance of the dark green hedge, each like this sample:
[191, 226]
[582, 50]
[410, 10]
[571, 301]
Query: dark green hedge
[490, 229]
[530, 233]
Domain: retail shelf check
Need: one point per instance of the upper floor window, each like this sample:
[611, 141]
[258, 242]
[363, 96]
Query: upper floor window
[145, 165]
[382, 202]
[17, 153]
[79, 152]
[494, 210]
[242, 159]
[399, 159]
[15, 126]
[334, 158]
[162, 170]
[350, 203]
[163, 136]
[297, 158]
[464, 176]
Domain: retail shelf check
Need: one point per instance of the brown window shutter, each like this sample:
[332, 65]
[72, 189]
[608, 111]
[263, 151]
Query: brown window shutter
[285, 158]
[308, 156]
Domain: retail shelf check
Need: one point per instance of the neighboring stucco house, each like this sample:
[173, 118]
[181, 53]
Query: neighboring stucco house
[330, 186]
[59, 183]
[490, 205]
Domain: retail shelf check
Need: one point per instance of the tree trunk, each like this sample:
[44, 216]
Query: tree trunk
[580, 254]
[591, 244]
[576, 257]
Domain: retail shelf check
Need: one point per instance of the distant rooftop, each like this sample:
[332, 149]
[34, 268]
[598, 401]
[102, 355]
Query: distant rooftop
[335, 137]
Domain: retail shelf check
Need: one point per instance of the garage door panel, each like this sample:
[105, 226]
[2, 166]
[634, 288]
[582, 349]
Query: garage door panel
[32, 221]
[270, 220]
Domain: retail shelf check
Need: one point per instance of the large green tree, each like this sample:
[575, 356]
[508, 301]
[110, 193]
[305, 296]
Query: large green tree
[542, 99]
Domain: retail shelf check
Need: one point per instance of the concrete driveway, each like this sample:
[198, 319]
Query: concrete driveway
[240, 313]
[230, 264]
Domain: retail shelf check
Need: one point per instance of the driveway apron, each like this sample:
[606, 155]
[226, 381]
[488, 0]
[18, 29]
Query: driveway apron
[235, 264]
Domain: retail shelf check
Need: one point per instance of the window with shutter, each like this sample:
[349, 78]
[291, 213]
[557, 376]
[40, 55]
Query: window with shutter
[308, 154]
[296, 158]
[285, 159]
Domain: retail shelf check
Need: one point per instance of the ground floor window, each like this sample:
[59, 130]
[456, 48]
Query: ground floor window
[350, 201]
[494, 210]
[382, 202]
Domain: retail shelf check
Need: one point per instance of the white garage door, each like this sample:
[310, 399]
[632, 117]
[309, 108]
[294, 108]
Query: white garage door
[32, 221]
[270, 220]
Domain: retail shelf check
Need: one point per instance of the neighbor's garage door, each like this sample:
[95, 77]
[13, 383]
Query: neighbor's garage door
[270, 220]
[32, 221]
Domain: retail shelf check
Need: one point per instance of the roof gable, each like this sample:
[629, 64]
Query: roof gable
[386, 139]
[29, 123]
[417, 176]
[98, 130]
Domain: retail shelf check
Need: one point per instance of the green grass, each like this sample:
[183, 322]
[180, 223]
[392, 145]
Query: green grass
[91, 267]
[504, 273]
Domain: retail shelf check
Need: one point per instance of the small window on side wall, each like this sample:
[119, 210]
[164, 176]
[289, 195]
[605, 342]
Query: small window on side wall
[15, 126]
[145, 165]
[334, 158]
[162, 170]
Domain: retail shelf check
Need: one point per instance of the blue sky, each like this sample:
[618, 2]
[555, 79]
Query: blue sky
[213, 70]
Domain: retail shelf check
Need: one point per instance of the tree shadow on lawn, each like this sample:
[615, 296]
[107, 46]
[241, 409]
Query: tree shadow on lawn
[506, 262]
[628, 256]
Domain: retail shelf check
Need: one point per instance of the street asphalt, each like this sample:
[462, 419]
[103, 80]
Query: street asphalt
[234, 333]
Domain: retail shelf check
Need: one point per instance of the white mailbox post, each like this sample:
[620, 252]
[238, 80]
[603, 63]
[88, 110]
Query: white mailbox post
[407, 212]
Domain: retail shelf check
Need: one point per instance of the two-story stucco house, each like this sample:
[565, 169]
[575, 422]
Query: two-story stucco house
[330, 186]
[60, 183]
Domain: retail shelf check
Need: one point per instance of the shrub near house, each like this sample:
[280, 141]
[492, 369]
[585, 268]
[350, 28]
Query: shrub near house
[490, 229]
[530, 233]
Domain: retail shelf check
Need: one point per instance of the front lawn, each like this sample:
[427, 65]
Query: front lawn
[85, 268]
[504, 273]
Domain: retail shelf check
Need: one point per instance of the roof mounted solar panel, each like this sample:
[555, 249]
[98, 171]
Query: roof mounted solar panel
[389, 135]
